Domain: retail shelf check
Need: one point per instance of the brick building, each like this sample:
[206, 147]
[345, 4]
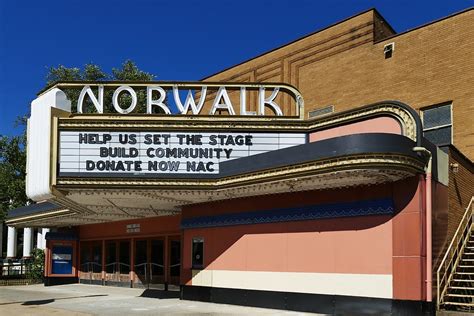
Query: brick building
[346, 203]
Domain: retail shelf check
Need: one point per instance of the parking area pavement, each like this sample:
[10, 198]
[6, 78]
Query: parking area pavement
[80, 299]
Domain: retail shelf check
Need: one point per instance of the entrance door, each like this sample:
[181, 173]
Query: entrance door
[174, 260]
[117, 262]
[91, 262]
[156, 264]
[149, 263]
[124, 260]
[141, 262]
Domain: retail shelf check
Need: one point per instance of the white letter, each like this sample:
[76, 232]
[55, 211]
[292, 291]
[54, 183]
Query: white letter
[150, 102]
[227, 105]
[99, 104]
[189, 101]
[115, 99]
[262, 101]
[243, 103]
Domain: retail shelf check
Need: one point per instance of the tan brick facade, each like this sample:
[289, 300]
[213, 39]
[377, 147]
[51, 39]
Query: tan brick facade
[461, 189]
[344, 65]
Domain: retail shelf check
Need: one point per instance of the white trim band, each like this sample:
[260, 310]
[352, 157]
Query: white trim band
[366, 285]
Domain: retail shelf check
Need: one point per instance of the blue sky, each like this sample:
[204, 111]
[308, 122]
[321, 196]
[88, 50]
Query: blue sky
[175, 40]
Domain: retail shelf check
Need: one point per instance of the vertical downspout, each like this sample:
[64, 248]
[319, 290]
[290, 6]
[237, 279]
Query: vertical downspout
[429, 234]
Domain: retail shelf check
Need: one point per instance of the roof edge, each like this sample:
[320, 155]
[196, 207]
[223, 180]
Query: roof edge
[427, 24]
[294, 41]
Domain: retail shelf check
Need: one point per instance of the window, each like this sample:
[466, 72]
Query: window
[198, 252]
[438, 124]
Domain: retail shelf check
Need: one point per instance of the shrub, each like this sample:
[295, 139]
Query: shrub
[35, 266]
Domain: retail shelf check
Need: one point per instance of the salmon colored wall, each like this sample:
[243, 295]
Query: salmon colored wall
[361, 245]
[148, 226]
[326, 246]
[383, 124]
[409, 259]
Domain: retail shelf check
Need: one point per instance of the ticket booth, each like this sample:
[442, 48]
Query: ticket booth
[60, 258]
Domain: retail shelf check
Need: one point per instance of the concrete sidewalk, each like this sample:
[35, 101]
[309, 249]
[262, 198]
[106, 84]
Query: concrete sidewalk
[80, 299]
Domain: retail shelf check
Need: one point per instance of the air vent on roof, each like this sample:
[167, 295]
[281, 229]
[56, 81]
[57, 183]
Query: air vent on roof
[321, 111]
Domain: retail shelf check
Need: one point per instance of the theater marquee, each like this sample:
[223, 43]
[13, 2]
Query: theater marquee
[145, 131]
[154, 153]
[188, 98]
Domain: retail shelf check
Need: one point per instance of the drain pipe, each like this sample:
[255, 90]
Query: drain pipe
[429, 211]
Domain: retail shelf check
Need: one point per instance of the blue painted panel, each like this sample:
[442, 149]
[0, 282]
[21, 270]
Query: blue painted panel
[62, 260]
[336, 210]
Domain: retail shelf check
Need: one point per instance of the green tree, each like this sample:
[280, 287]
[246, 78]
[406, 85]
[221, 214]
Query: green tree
[91, 72]
[12, 171]
[13, 148]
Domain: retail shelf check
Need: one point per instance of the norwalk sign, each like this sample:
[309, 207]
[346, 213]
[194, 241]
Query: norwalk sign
[63, 144]
[197, 95]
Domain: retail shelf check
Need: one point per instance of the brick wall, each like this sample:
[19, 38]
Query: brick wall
[461, 189]
[344, 65]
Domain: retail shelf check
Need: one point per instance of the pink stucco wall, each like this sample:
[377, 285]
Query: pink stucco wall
[359, 245]
[382, 124]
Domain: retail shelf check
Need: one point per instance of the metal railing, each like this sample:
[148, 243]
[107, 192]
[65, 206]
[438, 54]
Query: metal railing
[117, 267]
[11, 270]
[451, 259]
[87, 267]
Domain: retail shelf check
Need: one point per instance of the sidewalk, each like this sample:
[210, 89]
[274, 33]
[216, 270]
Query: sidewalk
[80, 299]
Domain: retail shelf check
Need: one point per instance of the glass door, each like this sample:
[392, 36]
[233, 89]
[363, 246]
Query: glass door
[85, 272]
[156, 264]
[124, 260]
[174, 260]
[141, 262]
[111, 267]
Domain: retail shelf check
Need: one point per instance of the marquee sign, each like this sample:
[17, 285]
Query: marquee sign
[103, 154]
[189, 98]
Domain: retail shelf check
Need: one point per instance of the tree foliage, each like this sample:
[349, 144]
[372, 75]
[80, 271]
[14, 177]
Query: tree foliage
[13, 148]
[35, 268]
[91, 72]
[12, 171]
